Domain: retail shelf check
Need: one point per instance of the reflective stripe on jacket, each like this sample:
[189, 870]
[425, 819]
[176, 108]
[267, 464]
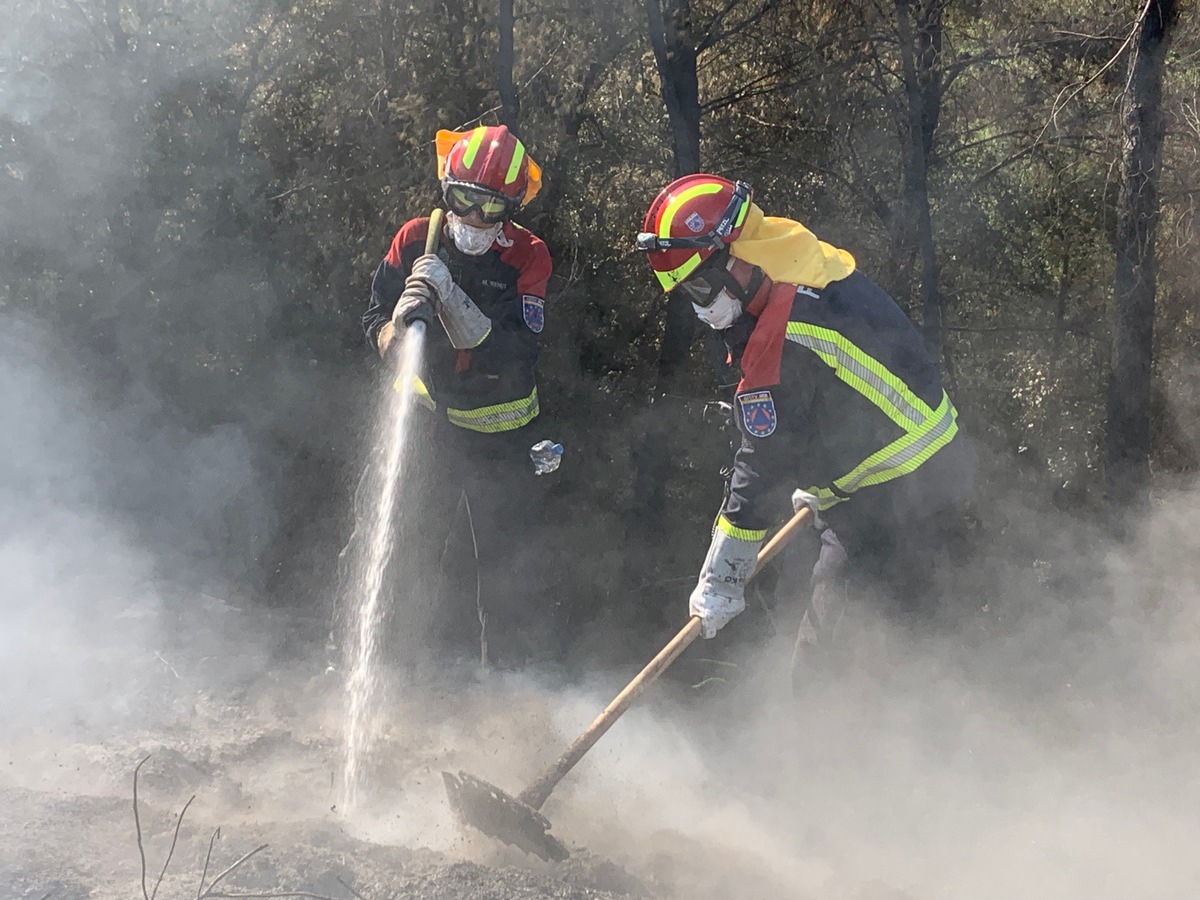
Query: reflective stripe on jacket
[839, 394]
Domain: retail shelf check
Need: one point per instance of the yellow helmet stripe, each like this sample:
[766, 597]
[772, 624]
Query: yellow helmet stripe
[672, 208]
[671, 279]
[515, 166]
[741, 217]
[473, 146]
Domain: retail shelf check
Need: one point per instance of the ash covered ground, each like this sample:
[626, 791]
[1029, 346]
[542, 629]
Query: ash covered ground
[927, 768]
[1041, 746]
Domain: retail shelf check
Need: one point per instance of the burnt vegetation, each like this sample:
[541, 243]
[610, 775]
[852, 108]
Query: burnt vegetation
[194, 198]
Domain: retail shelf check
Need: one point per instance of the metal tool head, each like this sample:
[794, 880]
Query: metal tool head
[497, 814]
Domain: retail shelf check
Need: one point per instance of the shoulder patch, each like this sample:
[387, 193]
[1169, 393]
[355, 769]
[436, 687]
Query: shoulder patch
[534, 310]
[758, 413]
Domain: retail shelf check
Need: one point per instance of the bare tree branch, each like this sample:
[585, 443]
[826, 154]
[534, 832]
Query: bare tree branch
[171, 852]
[137, 824]
[207, 859]
[208, 890]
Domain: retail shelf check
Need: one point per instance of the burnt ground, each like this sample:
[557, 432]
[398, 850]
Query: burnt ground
[1050, 756]
[247, 734]
[262, 763]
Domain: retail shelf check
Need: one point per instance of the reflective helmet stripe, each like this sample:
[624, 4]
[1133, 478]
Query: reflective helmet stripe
[742, 213]
[514, 168]
[473, 145]
[667, 219]
[670, 279]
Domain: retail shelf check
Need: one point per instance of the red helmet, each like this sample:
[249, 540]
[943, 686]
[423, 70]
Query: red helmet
[490, 157]
[691, 219]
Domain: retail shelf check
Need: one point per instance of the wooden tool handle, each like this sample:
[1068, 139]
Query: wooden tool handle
[535, 795]
[435, 230]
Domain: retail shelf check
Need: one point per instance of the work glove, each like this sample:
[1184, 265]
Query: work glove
[415, 304]
[387, 334]
[433, 271]
[465, 323]
[720, 593]
[801, 499]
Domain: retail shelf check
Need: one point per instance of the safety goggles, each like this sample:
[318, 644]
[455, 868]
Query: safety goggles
[463, 199]
[649, 242]
[705, 284]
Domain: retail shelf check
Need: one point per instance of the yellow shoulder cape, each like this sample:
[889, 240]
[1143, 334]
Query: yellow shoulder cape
[788, 252]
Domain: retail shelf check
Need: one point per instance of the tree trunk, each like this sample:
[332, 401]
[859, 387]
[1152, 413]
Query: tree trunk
[653, 453]
[1128, 435]
[675, 57]
[510, 100]
[920, 61]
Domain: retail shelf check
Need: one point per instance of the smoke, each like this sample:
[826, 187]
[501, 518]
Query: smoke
[111, 527]
[1048, 752]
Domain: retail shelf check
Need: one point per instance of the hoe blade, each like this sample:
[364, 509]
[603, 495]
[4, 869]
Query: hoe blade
[489, 809]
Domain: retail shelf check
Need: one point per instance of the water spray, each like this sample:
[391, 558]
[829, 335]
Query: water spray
[372, 544]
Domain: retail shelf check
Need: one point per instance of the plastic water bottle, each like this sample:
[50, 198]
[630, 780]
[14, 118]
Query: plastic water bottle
[546, 456]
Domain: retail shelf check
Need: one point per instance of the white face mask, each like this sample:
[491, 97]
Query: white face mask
[469, 239]
[721, 313]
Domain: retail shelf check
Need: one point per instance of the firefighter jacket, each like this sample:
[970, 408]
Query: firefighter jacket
[838, 395]
[492, 387]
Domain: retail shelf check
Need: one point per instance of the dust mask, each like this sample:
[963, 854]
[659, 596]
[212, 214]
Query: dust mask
[469, 239]
[721, 313]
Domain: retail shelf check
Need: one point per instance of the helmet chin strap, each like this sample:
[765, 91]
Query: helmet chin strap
[737, 335]
[753, 283]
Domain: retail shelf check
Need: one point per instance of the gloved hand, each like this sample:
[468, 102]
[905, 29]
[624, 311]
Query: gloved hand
[431, 270]
[414, 305]
[720, 593]
[801, 499]
[387, 334]
[465, 323]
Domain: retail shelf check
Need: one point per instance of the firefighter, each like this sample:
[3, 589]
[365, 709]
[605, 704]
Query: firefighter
[839, 404]
[487, 289]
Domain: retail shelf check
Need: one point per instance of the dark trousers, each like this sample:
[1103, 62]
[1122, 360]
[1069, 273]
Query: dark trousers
[475, 525]
[897, 537]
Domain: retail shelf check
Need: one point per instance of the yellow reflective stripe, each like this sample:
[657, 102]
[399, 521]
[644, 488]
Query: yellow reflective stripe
[498, 417]
[926, 430]
[676, 275]
[741, 216]
[866, 375]
[825, 497]
[515, 166]
[906, 454]
[741, 534]
[473, 145]
[668, 215]
[418, 387]
[670, 279]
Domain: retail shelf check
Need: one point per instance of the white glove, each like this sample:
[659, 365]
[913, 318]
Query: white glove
[465, 323]
[801, 499]
[430, 269]
[414, 304]
[386, 335]
[720, 593]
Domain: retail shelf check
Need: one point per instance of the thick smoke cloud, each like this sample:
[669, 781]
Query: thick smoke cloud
[113, 526]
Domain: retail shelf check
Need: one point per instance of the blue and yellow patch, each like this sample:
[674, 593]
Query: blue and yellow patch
[758, 413]
[534, 310]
